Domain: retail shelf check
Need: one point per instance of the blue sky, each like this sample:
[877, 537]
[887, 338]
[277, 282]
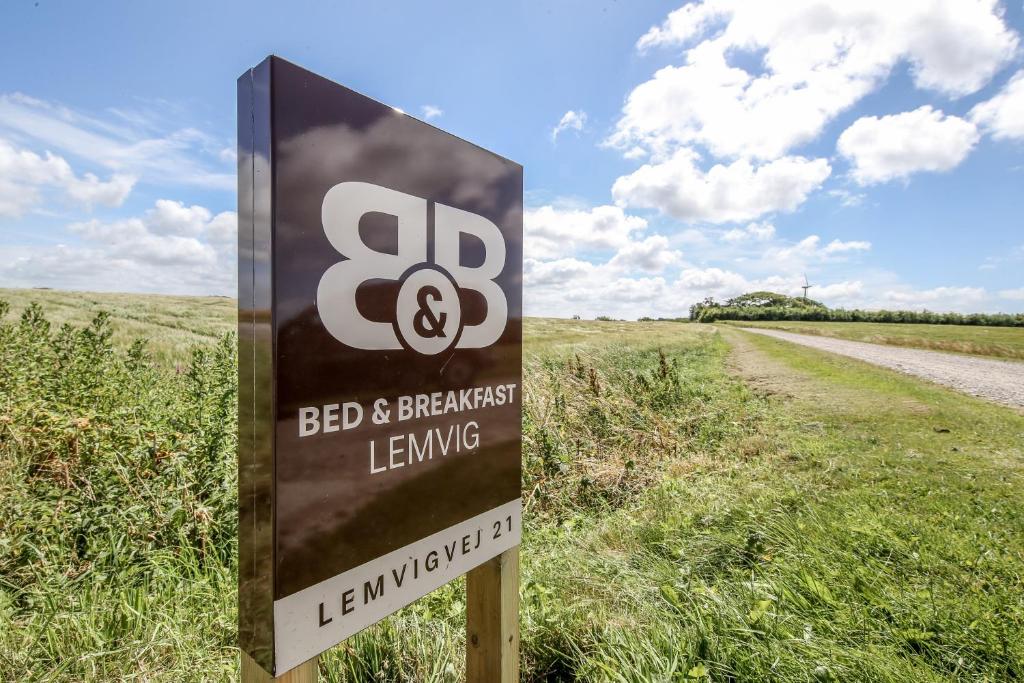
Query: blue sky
[671, 151]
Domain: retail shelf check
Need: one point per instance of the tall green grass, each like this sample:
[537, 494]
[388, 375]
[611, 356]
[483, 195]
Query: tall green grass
[117, 505]
[680, 524]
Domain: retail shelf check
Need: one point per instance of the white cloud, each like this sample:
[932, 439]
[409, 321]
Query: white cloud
[815, 60]
[636, 152]
[169, 248]
[130, 240]
[25, 175]
[597, 290]
[98, 269]
[145, 145]
[571, 120]
[431, 111]
[684, 24]
[552, 232]
[840, 247]
[690, 237]
[222, 229]
[652, 255]
[1003, 115]
[898, 145]
[636, 275]
[938, 298]
[697, 283]
[169, 234]
[90, 190]
[1011, 255]
[598, 261]
[847, 198]
[756, 232]
[837, 292]
[560, 271]
[1012, 294]
[738, 191]
[558, 283]
[806, 248]
[169, 217]
[627, 292]
[809, 250]
[567, 286]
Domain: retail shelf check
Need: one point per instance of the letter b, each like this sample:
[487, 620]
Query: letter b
[344, 205]
[449, 222]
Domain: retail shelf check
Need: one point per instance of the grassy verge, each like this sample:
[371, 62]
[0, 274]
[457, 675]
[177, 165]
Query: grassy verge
[118, 521]
[172, 325]
[819, 519]
[1000, 342]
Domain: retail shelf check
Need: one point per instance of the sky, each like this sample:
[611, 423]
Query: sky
[671, 151]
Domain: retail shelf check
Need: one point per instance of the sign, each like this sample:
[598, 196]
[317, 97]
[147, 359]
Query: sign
[380, 331]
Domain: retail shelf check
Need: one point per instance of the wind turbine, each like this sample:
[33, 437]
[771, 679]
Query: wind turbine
[807, 285]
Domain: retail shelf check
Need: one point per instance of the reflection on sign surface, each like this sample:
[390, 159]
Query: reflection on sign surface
[380, 326]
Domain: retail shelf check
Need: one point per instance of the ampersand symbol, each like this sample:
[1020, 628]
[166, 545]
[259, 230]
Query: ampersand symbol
[381, 414]
[426, 324]
[428, 316]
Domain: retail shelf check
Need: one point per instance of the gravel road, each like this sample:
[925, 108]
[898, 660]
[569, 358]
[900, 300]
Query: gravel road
[995, 380]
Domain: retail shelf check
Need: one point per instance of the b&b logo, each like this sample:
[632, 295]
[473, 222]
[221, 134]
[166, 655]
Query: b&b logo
[428, 315]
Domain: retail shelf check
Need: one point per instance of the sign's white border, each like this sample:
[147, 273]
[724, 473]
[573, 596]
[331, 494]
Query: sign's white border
[311, 621]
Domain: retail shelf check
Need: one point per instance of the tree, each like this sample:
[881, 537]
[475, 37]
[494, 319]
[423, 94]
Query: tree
[695, 309]
[771, 300]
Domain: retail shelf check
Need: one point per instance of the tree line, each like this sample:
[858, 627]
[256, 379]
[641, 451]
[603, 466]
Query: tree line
[756, 306]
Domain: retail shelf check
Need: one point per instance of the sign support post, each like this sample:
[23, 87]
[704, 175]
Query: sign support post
[304, 673]
[492, 620]
[492, 629]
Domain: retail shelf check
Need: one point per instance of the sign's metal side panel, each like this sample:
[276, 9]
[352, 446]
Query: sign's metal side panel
[246, 331]
[255, 443]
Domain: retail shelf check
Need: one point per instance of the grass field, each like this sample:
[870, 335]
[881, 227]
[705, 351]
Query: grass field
[171, 324]
[701, 504]
[1000, 342]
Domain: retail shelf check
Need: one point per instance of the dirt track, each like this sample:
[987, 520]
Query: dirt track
[995, 380]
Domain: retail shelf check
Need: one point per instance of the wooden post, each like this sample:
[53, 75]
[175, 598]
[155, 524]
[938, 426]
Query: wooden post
[306, 672]
[492, 620]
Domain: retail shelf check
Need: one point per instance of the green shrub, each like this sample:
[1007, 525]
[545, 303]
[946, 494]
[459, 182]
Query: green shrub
[755, 306]
[710, 314]
[117, 479]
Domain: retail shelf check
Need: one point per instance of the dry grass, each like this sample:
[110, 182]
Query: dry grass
[172, 325]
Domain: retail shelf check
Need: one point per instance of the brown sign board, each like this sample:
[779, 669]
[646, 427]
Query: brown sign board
[380, 355]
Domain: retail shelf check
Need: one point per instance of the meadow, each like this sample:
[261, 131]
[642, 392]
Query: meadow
[999, 342]
[700, 505]
[171, 325]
